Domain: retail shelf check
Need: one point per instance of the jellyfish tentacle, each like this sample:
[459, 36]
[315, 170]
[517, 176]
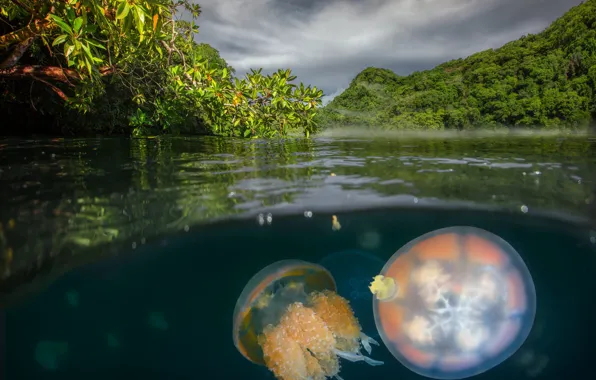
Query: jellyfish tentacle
[366, 346]
[366, 342]
[363, 336]
[357, 357]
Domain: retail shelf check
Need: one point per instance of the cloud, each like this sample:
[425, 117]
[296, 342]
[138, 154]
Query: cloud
[327, 42]
[327, 98]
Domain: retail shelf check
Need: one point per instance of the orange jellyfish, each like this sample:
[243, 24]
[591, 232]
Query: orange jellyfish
[454, 303]
[290, 319]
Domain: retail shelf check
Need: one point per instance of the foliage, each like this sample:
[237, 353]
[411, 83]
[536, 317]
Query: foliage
[546, 80]
[132, 66]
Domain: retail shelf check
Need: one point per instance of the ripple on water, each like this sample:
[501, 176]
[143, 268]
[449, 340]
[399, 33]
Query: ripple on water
[83, 193]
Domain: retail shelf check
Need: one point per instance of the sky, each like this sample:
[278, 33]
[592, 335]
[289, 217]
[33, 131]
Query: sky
[327, 43]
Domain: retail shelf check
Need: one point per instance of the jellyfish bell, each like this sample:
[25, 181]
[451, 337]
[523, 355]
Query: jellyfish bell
[290, 319]
[265, 297]
[352, 271]
[454, 303]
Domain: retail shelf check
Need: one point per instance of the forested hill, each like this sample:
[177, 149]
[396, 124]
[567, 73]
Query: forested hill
[547, 79]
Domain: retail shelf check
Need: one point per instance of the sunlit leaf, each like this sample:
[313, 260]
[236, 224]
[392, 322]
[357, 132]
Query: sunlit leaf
[141, 15]
[68, 49]
[122, 10]
[61, 23]
[95, 44]
[60, 39]
[88, 66]
[87, 51]
[77, 24]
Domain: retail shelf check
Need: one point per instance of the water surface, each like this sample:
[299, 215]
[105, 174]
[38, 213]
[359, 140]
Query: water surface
[125, 257]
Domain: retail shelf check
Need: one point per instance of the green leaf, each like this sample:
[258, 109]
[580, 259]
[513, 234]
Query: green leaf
[87, 51]
[71, 14]
[246, 132]
[88, 65]
[96, 44]
[68, 49]
[60, 39]
[61, 23]
[140, 23]
[141, 14]
[90, 28]
[122, 10]
[77, 24]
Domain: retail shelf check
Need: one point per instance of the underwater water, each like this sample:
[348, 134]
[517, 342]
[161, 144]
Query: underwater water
[125, 258]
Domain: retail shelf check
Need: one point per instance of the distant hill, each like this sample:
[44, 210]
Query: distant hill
[546, 80]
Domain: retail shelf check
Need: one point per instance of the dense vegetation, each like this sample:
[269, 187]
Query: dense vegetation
[133, 67]
[544, 80]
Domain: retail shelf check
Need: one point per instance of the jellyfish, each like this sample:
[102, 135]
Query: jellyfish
[290, 319]
[454, 303]
[112, 340]
[352, 271]
[157, 320]
[50, 354]
[72, 298]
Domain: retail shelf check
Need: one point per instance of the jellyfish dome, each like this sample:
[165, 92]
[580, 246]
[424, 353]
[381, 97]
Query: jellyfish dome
[290, 319]
[454, 303]
[352, 271]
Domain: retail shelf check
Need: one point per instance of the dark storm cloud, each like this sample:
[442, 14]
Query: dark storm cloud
[327, 42]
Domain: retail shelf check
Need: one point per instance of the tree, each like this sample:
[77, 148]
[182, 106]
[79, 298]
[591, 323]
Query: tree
[135, 61]
[544, 80]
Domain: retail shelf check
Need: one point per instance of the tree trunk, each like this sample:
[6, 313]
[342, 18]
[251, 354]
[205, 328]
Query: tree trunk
[53, 73]
[14, 57]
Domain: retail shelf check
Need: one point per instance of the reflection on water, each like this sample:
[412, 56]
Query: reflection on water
[67, 202]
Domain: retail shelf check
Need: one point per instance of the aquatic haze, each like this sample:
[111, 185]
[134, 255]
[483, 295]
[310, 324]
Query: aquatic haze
[67, 202]
[364, 132]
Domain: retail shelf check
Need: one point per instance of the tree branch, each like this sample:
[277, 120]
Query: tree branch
[24, 6]
[172, 49]
[23, 34]
[58, 91]
[53, 73]
[17, 53]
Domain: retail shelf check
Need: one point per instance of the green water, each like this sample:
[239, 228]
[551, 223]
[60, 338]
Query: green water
[127, 256]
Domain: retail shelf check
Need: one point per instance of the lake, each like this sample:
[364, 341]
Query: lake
[125, 257]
